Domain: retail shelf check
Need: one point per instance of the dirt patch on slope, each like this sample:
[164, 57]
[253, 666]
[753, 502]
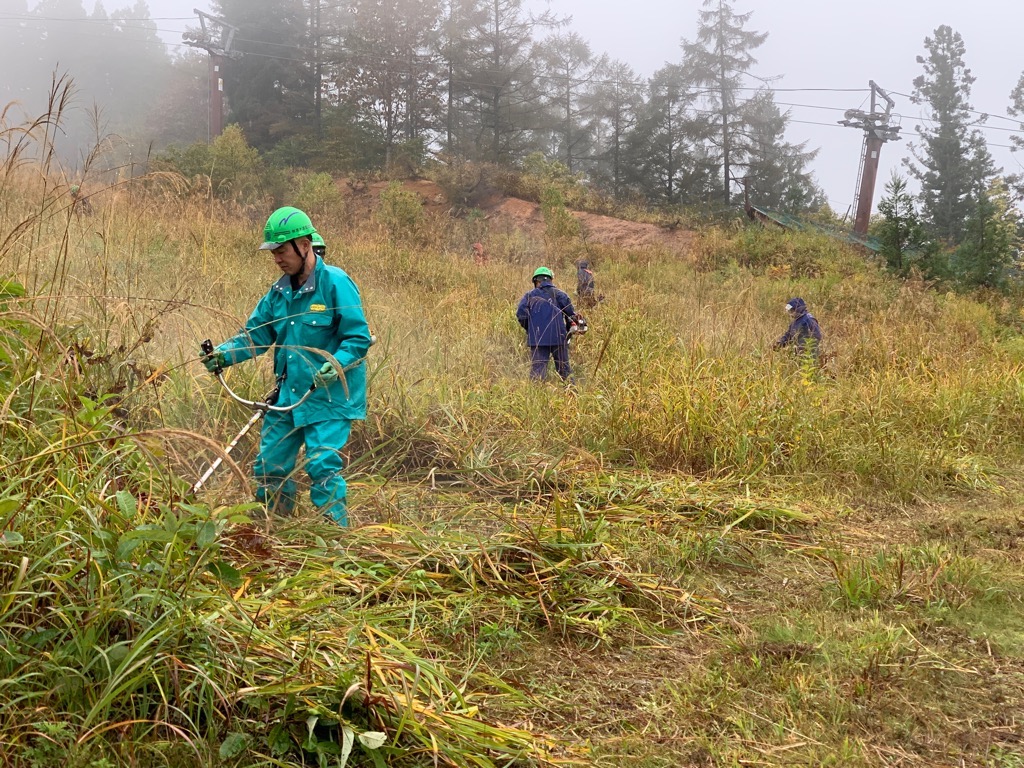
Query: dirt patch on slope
[505, 214]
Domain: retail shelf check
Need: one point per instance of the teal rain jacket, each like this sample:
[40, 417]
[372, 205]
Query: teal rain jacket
[325, 314]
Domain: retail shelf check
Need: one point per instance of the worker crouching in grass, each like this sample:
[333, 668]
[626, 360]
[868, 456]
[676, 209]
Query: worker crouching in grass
[803, 334]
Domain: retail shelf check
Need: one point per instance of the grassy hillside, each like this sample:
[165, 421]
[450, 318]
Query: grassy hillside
[702, 554]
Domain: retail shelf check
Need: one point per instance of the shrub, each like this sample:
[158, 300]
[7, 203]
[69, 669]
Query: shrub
[229, 166]
[318, 194]
[401, 214]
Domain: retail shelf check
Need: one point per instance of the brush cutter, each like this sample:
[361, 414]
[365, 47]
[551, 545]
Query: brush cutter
[577, 327]
[260, 406]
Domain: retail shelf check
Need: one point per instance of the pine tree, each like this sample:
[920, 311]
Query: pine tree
[777, 169]
[901, 232]
[952, 161]
[666, 165]
[615, 102]
[387, 69]
[1016, 109]
[569, 69]
[454, 46]
[990, 240]
[269, 88]
[499, 79]
[717, 60]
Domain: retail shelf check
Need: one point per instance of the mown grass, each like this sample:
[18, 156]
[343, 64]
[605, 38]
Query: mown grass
[703, 554]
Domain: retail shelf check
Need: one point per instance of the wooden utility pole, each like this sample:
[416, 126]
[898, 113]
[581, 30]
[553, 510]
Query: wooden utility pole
[877, 131]
[215, 37]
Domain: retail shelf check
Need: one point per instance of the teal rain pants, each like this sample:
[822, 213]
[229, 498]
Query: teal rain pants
[274, 469]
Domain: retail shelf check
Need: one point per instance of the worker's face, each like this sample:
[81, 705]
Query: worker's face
[291, 256]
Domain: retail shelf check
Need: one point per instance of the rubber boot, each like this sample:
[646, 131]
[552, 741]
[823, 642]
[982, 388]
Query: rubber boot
[337, 512]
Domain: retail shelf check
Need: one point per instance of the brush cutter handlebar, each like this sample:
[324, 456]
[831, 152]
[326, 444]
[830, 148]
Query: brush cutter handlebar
[262, 406]
[268, 403]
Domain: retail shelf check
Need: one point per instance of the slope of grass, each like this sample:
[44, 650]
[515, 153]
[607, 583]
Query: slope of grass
[703, 554]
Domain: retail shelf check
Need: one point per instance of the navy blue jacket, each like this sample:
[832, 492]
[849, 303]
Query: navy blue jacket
[544, 313]
[804, 333]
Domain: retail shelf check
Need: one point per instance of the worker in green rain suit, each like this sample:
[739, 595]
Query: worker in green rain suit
[313, 318]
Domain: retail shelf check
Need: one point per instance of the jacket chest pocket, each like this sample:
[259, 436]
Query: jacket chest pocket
[315, 329]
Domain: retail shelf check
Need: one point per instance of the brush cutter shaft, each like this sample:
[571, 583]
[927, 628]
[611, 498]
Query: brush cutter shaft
[227, 451]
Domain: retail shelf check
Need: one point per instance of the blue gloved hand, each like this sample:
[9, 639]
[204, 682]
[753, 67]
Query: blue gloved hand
[215, 361]
[328, 372]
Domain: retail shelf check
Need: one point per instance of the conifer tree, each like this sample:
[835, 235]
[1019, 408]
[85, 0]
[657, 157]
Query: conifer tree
[666, 164]
[950, 160]
[1016, 109]
[269, 87]
[716, 61]
[499, 79]
[569, 69]
[387, 69]
[901, 232]
[990, 239]
[615, 102]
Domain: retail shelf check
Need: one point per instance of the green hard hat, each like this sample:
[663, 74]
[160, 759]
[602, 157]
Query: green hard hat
[543, 272]
[285, 224]
[318, 240]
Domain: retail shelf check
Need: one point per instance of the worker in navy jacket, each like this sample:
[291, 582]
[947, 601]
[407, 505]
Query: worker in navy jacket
[546, 314]
[803, 332]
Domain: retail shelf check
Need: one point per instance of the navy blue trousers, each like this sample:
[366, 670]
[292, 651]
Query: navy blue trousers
[539, 357]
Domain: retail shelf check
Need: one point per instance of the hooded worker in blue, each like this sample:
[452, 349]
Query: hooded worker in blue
[546, 313]
[312, 318]
[803, 332]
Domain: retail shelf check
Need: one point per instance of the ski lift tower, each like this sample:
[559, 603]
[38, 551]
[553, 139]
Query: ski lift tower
[877, 130]
[215, 37]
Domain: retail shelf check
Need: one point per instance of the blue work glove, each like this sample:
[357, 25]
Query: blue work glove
[328, 372]
[215, 360]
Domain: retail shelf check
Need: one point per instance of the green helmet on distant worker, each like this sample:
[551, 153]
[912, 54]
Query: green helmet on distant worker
[319, 246]
[286, 224]
[543, 272]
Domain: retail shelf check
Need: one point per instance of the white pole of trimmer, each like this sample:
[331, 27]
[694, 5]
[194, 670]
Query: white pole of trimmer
[227, 451]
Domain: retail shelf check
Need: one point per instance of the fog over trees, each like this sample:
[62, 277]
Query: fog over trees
[360, 85]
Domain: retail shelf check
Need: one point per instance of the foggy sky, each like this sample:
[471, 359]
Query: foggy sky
[811, 44]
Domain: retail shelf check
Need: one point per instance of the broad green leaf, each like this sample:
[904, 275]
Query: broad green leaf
[125, 547]
[328, 748]
[373, 739]
[311, 741]
[9, 505]
[230, 576]
[279, 741]
[127, 504]
[11, 538]
[207, 534]
[347, 740]
[234, 745]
